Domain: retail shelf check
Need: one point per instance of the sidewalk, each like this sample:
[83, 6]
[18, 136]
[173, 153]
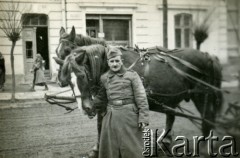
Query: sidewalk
[23, 91]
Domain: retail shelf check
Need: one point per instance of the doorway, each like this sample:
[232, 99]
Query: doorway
[35, 40]
[42, 44]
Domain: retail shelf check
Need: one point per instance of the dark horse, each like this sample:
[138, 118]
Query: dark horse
[169, 79]
[68, 42]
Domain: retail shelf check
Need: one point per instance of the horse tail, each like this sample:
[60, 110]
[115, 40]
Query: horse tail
[216, 81]
[212, 99]
[209, 103]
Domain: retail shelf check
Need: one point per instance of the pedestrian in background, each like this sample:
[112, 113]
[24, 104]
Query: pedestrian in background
[2, 72]
[38, 70]
[127, 110]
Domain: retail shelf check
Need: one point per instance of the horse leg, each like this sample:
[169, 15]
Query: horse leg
[203, 104]
[208, 115]
[169, 124]
[94, 152]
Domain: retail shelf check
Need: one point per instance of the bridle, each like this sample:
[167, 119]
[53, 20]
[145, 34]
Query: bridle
[61, 41]
[86, 71]
[93, 87]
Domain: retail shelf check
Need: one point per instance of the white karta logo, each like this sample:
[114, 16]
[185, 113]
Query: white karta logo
[182, 146]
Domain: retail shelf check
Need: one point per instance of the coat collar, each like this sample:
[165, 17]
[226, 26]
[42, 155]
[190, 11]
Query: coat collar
[121, 72]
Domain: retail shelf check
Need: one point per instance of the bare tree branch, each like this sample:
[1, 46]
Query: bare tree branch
[11, 24]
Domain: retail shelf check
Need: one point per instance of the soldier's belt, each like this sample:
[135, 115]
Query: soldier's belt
[121, 102]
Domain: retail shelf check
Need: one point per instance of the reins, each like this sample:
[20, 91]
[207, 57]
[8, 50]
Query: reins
[52, 99]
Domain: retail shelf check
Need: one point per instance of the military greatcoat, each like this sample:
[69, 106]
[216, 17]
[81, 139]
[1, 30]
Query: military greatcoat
[127, 106]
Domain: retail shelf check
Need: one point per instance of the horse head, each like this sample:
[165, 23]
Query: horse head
[65, 46]
[87, 63]
[77, 63]
[67, 43]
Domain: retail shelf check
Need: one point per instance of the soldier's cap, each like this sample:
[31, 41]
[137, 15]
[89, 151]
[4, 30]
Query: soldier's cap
[113, 52]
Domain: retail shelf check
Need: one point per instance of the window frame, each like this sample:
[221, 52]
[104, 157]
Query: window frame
[100, 29]
[28, 20]
[181, 24]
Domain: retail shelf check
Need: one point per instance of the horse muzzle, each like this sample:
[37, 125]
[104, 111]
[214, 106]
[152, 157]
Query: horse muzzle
[61, 84]
[91, 113]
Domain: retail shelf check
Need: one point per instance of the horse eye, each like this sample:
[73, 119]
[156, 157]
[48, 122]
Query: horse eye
[82, 76]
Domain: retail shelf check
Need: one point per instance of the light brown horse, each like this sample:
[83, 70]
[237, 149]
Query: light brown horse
[165, 78]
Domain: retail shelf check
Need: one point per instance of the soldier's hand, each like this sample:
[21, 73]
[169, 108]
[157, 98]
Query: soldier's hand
[142, 125]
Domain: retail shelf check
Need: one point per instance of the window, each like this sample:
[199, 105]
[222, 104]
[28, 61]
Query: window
[183, 23]
[115, 29]
[92, 28]
[29, 51]
[34, 20]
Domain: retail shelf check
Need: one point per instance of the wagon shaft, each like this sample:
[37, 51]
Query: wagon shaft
[51, 96]
[169, 110]
[231, 120]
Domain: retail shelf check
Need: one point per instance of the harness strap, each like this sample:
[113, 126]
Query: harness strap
[133, 64]
[184, 74]
[185, 63]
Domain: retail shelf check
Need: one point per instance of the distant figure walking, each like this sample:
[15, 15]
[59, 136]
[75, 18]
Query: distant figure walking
[2, 72]
[38, 70]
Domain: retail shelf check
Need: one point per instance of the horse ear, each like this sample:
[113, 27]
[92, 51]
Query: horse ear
[72, 34]
[62, 31]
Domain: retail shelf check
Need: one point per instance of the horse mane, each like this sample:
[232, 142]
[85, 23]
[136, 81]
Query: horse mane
[97, 57]
[97, 60]
[66, 68]
[216, 81]
[82, 40]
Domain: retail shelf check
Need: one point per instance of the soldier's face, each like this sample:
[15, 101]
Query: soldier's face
[115, 63]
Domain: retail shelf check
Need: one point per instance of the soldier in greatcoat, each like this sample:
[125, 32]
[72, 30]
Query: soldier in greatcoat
[127, 110]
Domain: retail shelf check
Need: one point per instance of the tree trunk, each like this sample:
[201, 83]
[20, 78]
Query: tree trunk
[13, 71]
[165, 24]
[199, 45]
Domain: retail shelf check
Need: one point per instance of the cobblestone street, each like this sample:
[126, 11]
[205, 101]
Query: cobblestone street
[34, 128]
[37, 129]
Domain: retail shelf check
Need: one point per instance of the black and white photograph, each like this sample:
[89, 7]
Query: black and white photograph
[119, 78]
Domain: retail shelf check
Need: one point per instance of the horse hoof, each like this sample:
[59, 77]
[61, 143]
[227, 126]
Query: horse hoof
[93, 154]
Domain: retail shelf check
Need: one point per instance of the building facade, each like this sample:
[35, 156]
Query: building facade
[119, 22]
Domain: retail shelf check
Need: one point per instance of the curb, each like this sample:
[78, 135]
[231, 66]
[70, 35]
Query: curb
[38, 94]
